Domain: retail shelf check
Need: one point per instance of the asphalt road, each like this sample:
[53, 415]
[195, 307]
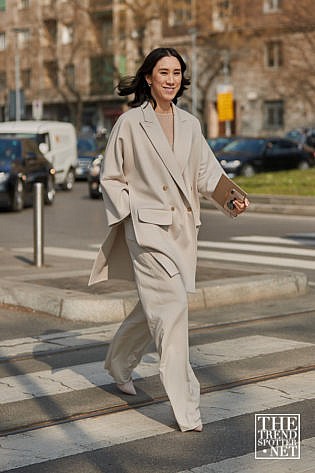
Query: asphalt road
[244, 369]
[75, 221]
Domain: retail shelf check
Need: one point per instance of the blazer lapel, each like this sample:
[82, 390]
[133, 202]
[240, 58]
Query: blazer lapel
[158, 139]
[182, 137]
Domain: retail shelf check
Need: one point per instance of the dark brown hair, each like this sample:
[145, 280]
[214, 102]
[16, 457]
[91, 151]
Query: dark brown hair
[138, 85]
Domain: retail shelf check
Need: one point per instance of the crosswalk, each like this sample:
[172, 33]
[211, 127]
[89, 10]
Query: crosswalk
[62, 380]
[261, 250]
[251, 249]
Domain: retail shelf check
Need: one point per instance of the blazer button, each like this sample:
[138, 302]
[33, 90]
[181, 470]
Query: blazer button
[188, 209]
[172, 208]
[165, 188]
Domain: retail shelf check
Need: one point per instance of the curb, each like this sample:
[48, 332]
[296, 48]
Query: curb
[115, 307]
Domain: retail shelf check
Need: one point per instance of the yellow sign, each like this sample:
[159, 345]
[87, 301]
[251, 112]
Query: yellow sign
[225, 106]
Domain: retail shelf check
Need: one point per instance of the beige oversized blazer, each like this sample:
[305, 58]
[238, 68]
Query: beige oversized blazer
[158, 188]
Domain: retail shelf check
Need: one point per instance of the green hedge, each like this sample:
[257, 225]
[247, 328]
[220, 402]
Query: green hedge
[293, 182]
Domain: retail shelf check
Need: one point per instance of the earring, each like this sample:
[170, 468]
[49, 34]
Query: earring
[149, 85]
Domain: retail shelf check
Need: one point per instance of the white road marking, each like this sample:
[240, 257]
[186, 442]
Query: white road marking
[257, 248]
[255, 259]
[62, 252]
[248, 464]
[89, 375]
[52, 341]
[292, 240]
[101, 432]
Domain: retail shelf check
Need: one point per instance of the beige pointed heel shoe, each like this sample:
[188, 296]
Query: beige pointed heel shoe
[127, 388]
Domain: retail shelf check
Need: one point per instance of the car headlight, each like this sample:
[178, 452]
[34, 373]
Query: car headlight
[95, 170]
[230, 164]
[4, 176]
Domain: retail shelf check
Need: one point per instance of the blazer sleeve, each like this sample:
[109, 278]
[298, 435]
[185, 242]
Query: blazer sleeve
[112, 179]
[210, 170]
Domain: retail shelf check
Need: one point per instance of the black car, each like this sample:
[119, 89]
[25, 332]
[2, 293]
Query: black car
[218, 143]
[21, 165]
[94, 177]
[87, 151]
[247, 156]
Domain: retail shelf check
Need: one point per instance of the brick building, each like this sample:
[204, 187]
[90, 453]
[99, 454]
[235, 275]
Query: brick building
[69, 54]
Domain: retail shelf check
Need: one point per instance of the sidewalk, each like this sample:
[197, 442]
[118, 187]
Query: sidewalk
[60, 288]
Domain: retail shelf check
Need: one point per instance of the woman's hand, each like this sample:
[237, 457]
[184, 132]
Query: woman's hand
[240, 206]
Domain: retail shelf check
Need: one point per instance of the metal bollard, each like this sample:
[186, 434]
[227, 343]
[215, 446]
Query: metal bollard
[38, 224]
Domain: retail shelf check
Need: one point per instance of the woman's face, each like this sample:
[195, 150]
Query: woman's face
[165, 80]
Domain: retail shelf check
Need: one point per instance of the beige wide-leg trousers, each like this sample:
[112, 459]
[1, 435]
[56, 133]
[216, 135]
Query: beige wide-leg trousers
[161, 314]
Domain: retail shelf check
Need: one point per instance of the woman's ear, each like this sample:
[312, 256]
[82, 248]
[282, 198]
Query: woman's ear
[148, 79]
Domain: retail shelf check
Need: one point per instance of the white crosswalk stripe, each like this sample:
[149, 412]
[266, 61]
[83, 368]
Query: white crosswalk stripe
[249, 249]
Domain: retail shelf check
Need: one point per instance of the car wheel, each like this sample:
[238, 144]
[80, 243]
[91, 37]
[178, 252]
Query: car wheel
[69, 181]
[50, 191]
[17, 203]
[303, 165]
[248, 170]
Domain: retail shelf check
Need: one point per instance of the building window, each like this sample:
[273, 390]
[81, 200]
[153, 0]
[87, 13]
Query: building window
[22, 4]
[181, 14]
[70, 75]
[102, 74]
[3, 81]
[51, 74]
[2, 41]
[274, 114]
[2, 5]
[23, 38]
[66, 34]
[26, 78]
[270, 6]
[274, 54]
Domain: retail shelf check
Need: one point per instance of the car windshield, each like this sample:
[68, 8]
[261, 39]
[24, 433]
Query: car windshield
[295, 135]
[9, 151]
[86, 145]
[218, 143]
[247, 146]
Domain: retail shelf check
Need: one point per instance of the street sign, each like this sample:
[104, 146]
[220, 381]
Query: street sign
[225, 103]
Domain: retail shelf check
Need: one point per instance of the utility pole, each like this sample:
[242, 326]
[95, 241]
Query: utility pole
[17, 77]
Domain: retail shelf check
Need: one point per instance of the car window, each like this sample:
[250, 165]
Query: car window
[247, 146]
[44, 138]
[282, 144]
[10, 150]
[86, 145]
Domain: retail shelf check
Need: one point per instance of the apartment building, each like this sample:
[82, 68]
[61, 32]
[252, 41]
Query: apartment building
[262, 49]
[62, 55]
[67, 56]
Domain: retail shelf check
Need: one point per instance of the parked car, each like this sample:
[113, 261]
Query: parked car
[94, 177]
[21, 165]
[57, 141]
[247, 156]
[302, 136]
[88, 150]
[218, 143]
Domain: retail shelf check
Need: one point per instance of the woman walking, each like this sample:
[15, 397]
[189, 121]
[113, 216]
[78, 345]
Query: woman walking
[156, 164]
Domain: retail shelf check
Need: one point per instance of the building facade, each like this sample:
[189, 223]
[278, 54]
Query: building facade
[66, 57]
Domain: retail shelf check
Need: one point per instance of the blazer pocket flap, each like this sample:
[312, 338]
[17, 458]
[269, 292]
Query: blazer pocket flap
[156, 216]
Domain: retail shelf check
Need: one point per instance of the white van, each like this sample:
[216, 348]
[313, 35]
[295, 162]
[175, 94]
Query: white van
[56, 140]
